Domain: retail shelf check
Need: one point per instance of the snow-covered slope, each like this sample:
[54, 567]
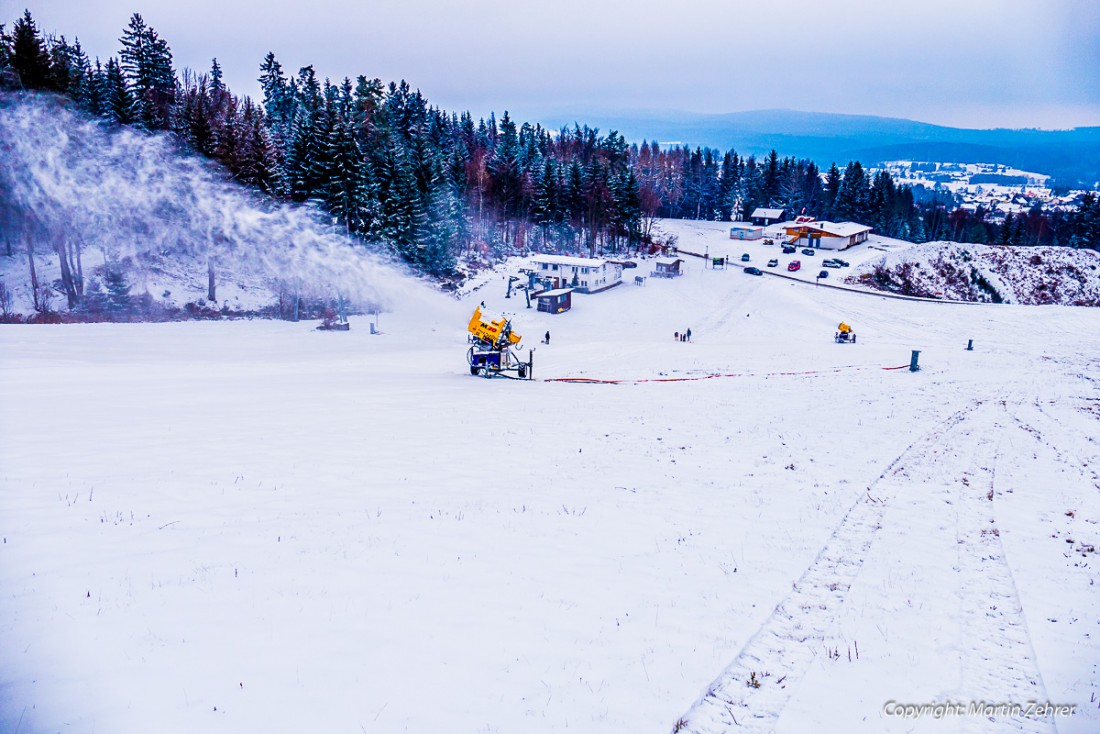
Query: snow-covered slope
[255, 526]
[99, 194]
[1027, 275]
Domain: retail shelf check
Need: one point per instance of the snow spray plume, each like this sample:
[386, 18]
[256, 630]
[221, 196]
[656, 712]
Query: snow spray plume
[67, 179]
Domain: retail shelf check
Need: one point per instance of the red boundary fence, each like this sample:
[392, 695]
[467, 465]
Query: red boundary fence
[598, 381]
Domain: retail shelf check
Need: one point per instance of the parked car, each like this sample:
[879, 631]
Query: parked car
[795, 265]
[808, 252]
[753, 271]
[773, 263]
[769, 241]
[841, 263]
[823, 274]
[745, 257]
[831, 264]
[788, 249]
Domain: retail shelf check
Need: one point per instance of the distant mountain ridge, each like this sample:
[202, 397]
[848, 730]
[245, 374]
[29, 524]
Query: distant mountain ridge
[1070, 156]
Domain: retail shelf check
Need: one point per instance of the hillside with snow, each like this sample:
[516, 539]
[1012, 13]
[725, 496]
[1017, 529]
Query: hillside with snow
[84, 203]
[966, 272]
[250, 526]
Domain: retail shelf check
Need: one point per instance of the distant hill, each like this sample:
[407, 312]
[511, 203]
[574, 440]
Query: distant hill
[1070, 156]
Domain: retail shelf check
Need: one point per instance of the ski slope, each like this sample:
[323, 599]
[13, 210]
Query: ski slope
[253, 526]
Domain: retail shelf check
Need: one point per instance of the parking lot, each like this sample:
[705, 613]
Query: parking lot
[712, 239]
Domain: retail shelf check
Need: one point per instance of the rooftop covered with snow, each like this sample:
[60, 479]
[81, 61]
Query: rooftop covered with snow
[569, 260]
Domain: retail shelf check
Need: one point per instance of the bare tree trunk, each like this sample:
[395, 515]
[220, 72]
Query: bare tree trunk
[66, 272]
[211, 293]
[34, 273]
[76, 261]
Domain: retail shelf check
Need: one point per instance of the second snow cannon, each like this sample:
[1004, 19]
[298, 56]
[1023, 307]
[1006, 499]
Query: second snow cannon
[493, 348]
[844, 334]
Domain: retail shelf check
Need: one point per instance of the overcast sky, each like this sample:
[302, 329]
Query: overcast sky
[968, 63]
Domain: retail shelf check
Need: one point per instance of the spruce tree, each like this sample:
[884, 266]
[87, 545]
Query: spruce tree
[258, 159]
[831, 190]
[118, 104]
[118, 291]
[30, 59]
[97, 90]
[852, 198]
[5, 58]
[146, 64]
[343, 181]
[770, 193]
[1084, 223]
[727, 183]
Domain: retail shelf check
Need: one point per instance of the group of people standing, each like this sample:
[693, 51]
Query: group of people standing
[683, 336]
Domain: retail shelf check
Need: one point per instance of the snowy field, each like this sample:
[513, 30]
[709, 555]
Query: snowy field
[257, 527]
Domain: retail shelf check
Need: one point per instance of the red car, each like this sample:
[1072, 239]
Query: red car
[795, 265]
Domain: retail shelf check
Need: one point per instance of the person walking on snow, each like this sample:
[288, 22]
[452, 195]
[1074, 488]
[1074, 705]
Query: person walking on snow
[688, 334]
[547, 337]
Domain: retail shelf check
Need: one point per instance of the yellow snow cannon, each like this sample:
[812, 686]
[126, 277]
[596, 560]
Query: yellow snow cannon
[493, 348]
[844, 334]
[494, 332]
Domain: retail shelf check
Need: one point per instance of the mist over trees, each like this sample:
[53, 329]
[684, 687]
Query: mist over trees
[434, 187]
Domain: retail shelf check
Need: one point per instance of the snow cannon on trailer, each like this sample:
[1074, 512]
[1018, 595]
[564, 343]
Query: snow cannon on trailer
[493, 348]
[844, 334]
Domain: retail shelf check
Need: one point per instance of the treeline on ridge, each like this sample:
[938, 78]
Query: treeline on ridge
[433, 187]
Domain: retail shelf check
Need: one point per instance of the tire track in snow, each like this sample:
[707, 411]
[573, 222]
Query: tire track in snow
[787, 641]
[997, 658]
[991, 610]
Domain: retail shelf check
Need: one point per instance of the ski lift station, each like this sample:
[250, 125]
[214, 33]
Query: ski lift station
[582, 274]
[559, 300]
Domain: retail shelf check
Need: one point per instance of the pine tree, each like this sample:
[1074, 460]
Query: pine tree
[344, 183]
[727, 183]
[118, 291]
[543, 203]
[30, 59]
[5, 58]
[881, 204]
[1004, 234]
[812, 192]
[82, 82]
[504, 169]
[1084, 223]
[97, 90]
[852, 198]
[279, 107]
[398, 202]
[770, 193]
[831, 191]
[301, 157]
[146, 63]
[216, 76]
[628, 208]
[69, 70]
[258, 159]
[118, 104]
